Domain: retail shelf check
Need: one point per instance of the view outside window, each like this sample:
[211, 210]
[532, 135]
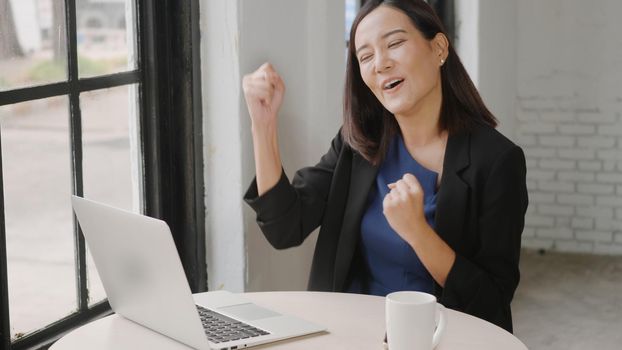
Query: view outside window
[33, 49]
[37, 150]
[102, 35]
[107, 146]
[352, 7]
[37, 184]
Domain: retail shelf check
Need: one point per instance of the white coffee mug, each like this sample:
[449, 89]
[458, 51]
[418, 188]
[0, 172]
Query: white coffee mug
[411, 319]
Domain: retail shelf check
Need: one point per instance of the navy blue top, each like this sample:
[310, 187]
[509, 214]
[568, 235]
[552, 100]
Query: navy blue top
[386, 262]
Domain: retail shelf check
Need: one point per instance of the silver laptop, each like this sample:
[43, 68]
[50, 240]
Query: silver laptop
[144, 280]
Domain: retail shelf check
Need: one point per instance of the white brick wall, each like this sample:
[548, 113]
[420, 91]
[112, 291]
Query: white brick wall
[568, 121]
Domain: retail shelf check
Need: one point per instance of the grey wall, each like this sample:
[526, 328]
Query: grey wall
[550, 72]
[569, 105]
[303, 39]
[543, 68]
[497, 60]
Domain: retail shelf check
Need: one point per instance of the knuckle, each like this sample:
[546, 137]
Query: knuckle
[246, 81]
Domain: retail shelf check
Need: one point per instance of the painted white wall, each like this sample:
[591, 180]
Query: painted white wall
[497, 61]
[570, 124]
[303, 39]
[487, 32]
[467, 36]
[222, 108]
[556, 91]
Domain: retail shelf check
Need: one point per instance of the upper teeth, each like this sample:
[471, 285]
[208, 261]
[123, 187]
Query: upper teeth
[391, 83]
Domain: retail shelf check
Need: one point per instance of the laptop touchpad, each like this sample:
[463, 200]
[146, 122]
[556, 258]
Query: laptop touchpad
[248, 312]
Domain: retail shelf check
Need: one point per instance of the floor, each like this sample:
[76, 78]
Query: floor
[569, 301]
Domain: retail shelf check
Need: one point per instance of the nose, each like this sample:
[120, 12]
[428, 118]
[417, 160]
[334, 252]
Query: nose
[383, 62]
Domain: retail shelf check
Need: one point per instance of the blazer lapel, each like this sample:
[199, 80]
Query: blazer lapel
[362, 178]
[453, 193]
[451, 202]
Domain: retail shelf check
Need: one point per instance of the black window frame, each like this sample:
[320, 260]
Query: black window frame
[170, 112]
[445, 9]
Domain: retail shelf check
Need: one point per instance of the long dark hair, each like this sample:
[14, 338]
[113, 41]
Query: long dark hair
[368, 127]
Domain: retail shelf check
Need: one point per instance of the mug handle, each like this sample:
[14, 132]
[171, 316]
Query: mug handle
[440, 328]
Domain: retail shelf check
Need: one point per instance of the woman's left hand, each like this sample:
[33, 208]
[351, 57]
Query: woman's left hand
[403, 207]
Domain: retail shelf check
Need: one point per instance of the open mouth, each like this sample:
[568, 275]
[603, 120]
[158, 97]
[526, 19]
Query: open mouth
[393, 84]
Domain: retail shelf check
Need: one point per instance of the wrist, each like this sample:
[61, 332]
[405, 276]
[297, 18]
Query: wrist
[264, 128]
[419, 231]
[265, 135]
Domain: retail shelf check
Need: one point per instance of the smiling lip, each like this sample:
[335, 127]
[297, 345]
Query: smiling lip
[393, 89]
[389, 80]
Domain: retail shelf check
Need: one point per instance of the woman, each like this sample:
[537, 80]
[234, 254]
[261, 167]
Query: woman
[418, 191]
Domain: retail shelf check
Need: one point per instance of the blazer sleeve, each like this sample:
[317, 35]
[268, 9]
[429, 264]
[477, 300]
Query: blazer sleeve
[484, 284]
[288, 213]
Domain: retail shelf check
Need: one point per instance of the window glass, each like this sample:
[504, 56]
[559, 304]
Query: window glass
[106, 43]
[352, 7]
[33, 48]
[36, 166]
[110, 157]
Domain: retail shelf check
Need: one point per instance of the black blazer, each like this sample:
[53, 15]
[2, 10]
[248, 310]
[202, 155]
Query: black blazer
[481, 206]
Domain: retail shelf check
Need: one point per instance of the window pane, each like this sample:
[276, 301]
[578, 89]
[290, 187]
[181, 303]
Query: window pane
[351, 10]
[110, 156]
[106, 40]
[37, 188]
[32, 43]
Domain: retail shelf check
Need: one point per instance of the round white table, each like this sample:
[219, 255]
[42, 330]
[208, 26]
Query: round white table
[353, 321]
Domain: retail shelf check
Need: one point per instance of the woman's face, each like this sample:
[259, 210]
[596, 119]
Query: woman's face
[398, 64]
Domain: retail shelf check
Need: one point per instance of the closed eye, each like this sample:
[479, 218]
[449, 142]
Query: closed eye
[395, 43]
[365, 58]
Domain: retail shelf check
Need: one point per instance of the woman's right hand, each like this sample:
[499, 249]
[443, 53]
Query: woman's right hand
[263, 90]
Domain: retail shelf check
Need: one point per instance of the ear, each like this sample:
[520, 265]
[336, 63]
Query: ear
[440, 45]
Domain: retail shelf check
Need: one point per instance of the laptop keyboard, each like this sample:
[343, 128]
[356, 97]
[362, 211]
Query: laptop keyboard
[220, 328]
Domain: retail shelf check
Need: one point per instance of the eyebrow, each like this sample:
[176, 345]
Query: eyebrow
[394, 31]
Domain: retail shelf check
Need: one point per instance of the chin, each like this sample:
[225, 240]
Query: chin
[396, 108]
